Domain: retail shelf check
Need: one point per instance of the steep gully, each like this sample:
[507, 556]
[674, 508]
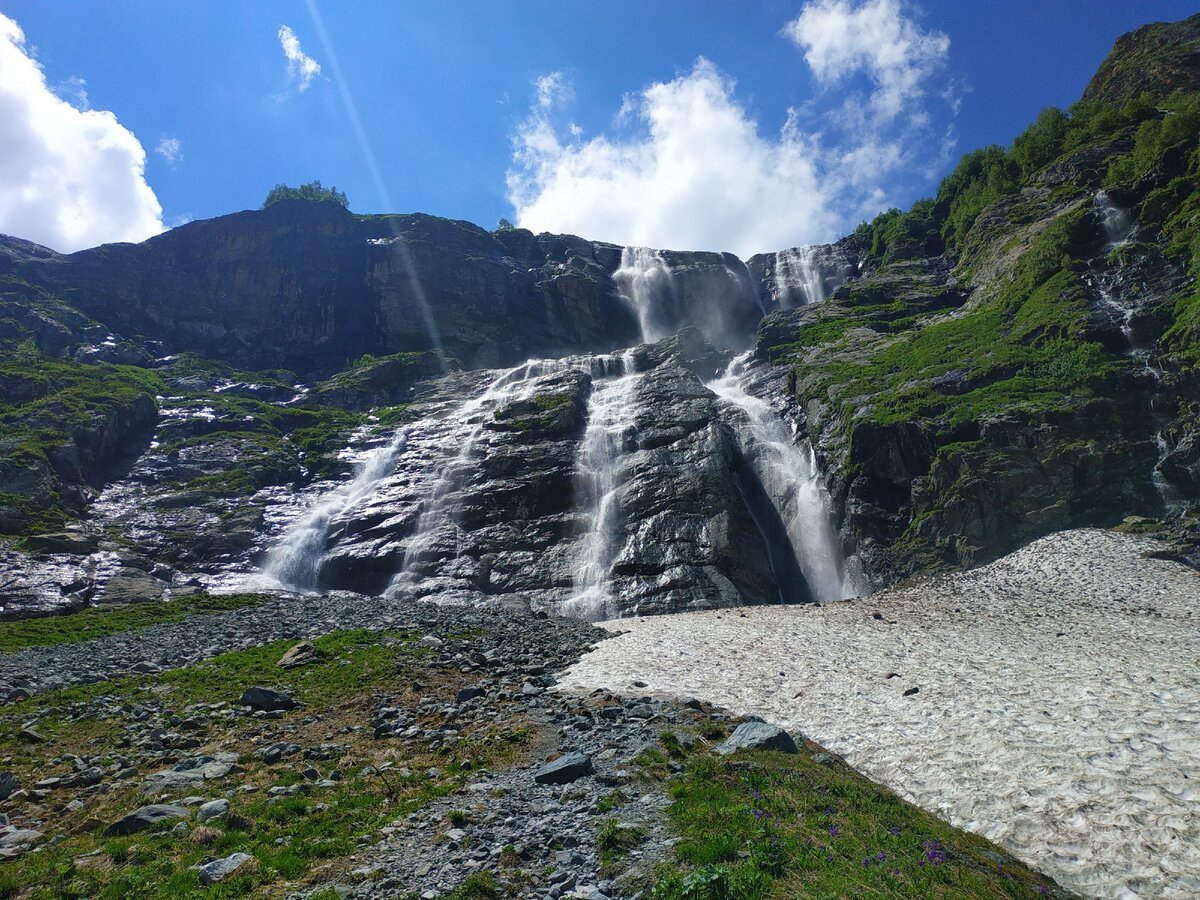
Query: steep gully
[775, 475]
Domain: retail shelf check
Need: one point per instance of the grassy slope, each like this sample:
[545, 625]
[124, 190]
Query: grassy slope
[290, 837]
[100, 621]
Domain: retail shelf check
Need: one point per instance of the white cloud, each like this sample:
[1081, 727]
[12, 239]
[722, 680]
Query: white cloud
[170, 149]
[552, 90]
[74, 91]
[301, 67]
[688, 167]
[69, 178]
[840, 38]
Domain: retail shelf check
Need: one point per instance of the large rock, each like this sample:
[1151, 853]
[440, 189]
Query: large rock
[267, 700]
[189, 773]
[567, 768]
[147, 817]
[219, 869]
[310, 285]
[757, 736]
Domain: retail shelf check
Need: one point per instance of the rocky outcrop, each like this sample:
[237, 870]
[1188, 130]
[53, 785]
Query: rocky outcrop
[1157, 59]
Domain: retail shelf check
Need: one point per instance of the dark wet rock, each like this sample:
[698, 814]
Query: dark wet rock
[151, 816]
[8, 784]
[758, 736]
[564, 770]
[265, 699]
[467, 694]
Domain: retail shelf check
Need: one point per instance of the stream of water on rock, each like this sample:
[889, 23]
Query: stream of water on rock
[1119, 229]
[788, 473]
[295, 560]
[452, 445]
[610, 412]
[798, 268]
[642, 280]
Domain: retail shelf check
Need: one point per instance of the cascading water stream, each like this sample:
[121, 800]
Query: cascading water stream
[295, 560]
[1119, 228]
[799, 278]
[789, 476]
[466, 428]
[642, 280]
[599, 462]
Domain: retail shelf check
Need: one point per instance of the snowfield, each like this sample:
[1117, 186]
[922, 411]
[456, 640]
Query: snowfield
[1058, 710]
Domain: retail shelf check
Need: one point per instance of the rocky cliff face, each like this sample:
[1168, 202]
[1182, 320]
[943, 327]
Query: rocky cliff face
[415, 407]
[310, 287]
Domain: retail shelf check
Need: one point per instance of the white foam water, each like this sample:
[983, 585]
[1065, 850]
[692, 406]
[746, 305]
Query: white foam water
[609, 412]
[788, 473]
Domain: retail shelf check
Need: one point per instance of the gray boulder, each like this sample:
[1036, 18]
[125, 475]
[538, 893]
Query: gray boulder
[8, 784]
[213, 809]
[758, 736]
[147, 817]
[190, 772]
[220, 869]
[567, 768]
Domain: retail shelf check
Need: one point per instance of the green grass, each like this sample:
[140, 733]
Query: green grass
[288, 836]
[99, 621]
[772, 825]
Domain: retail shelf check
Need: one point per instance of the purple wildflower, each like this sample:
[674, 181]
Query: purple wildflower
[834, 830]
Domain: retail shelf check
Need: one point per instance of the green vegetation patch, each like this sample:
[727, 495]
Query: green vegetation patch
[294, 838]
[100, 621]
[773, 825]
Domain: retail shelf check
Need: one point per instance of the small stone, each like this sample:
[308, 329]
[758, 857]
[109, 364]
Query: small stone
[758, 736]
[8, 784]
[30, 736]
[567, 768]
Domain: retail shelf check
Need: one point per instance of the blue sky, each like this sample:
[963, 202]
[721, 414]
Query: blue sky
[885, 95]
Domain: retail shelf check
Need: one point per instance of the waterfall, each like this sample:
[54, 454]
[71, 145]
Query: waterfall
[788, 473]
[800, 278]
[642, 280]
[744, 284]
[295, 560]
[599, 462]
[1117, 224]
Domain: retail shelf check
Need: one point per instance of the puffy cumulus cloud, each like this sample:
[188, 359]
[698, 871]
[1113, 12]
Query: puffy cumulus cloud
[69, 178]
[170, 149]
[301, 67]
[685, 166]
[840, 39]
[698, 175]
